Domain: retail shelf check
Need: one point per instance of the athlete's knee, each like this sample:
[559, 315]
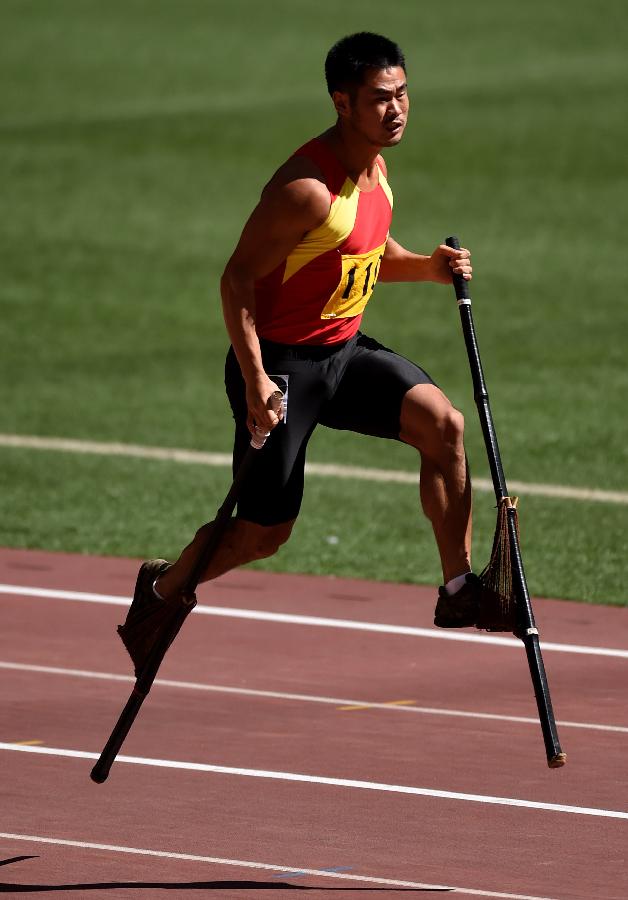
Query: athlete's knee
[268, 539]
[251, 541]
[445, 443]
[204, 532]
[435, 427]
[450, 427]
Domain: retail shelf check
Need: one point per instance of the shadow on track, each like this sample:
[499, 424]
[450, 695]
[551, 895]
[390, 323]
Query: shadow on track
[204, 886]
[192, 885]
[13, 859]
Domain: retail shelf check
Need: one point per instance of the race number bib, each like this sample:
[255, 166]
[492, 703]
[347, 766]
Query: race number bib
[359, 275]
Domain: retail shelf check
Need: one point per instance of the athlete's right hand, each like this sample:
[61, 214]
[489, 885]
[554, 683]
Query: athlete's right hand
[261, 408]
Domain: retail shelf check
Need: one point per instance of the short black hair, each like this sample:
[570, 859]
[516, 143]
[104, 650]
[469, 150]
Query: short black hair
[351, 56]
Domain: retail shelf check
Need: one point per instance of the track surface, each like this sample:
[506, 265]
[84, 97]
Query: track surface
[340, 824]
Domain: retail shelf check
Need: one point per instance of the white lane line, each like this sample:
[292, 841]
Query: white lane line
[303, 698]
[54, 594]
[249, 864]
[325, 470]
[290, 619]
[321, 779]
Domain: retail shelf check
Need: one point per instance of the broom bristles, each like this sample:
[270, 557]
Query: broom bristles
[498, 611]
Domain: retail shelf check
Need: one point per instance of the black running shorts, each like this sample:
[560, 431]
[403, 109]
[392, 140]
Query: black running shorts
[355, 386]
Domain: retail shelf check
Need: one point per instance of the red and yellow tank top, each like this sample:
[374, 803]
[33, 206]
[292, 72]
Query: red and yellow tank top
[318, 293]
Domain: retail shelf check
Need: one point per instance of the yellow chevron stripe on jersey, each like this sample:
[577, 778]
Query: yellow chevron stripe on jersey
[331, 234]
[386, 187]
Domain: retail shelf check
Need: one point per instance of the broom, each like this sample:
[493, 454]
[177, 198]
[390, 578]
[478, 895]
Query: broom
[505, 602]
[148, 632]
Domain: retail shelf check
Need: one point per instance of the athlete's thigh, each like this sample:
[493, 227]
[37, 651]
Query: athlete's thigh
[272, 492]
[370, 393]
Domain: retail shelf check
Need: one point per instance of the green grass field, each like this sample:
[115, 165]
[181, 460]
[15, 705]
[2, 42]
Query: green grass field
[134, 139]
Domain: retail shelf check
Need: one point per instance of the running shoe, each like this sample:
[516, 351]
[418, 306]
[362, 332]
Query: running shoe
[459, 610]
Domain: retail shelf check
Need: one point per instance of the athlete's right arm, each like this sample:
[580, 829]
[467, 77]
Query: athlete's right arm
[294, 202]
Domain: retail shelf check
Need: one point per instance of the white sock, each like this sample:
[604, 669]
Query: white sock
[156, 592]
[456, 583]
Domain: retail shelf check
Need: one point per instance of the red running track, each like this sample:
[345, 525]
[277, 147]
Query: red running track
[284, 755]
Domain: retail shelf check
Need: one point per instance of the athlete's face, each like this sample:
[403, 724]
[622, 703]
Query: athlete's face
[378, 110]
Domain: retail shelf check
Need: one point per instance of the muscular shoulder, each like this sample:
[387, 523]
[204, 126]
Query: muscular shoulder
[298, 188]
[382, 164]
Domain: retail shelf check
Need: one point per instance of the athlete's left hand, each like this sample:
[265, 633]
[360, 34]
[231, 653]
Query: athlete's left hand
[445, 261]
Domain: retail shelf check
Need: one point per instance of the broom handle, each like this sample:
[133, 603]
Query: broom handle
[480, 394]
[144, 682]
[222, 519]
[530, 638]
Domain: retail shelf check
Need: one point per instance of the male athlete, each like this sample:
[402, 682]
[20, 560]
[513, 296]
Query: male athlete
[293, 295]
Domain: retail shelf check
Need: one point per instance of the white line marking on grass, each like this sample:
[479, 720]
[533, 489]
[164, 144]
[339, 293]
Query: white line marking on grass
[302, 698]
[326, 470]
[324, 780]
[321, 622]
[249, 864]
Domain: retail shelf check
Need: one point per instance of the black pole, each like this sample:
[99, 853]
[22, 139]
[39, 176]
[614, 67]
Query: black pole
[525, 617]
[181, 610]
[143, 684]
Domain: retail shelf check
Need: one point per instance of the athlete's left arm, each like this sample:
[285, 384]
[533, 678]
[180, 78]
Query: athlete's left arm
[399, 264]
